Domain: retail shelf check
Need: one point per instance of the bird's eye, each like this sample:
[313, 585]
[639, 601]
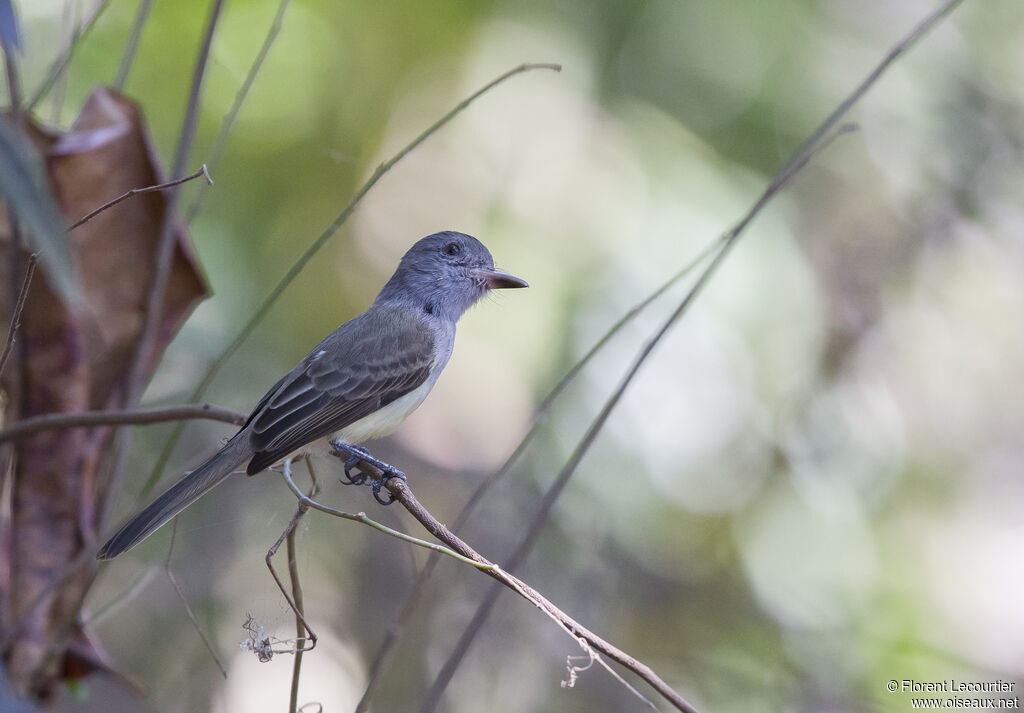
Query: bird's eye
[452, 249]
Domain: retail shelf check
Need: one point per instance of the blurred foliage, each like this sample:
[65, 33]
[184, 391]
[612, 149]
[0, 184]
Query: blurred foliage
[814, 486]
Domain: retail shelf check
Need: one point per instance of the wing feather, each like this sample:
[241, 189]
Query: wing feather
[365, 364]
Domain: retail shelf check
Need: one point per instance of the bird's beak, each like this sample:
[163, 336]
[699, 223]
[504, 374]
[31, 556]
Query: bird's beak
[496, 279]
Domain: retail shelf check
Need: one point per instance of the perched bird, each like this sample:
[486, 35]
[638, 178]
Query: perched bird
[359, 383]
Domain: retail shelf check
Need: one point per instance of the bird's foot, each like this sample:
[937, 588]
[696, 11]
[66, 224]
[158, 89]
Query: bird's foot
[357, 455]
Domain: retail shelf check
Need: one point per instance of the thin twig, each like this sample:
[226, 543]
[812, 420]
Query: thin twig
[815, 142]
[130, 48]
[69, 25]
[315, 247]
[14, 255]
[383, 654]
[136, 381]
[188, 607]
[165, 245]
[221, 141]
[300, 621]
[592, 657]
[19, 307]
[136, 191]
[296, 603]
[139, 582]
[161, 414]
[361, 517]
[400, 489]
[61, 63]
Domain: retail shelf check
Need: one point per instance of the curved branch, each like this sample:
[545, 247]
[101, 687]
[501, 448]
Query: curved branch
[136, 191]
[59, 421]
[594, 643]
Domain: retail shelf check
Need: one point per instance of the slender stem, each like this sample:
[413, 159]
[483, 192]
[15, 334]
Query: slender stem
[69, 25]
[361, 517]
[300, 622]
[136, 191]
[141, 579]
[184, 601]
[19, 307]
[221, 141]
[315, 247]
[195, 621]
[296, 605]
[132, 46]
[403, 494]
[61, 63]
[165, 246]
[60, 421]
[137, 379]
[15, 385]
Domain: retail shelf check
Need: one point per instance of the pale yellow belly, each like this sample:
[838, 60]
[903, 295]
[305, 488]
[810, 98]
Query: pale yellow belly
[384, 421]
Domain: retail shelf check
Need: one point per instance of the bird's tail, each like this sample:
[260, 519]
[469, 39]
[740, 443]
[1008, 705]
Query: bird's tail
[180, 495]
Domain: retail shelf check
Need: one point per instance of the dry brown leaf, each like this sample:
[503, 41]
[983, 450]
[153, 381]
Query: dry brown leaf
[77, 358]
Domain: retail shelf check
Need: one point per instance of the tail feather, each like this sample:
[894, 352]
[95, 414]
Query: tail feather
[178, 497]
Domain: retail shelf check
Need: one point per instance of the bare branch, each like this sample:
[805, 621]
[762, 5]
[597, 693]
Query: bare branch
[220, 143]
[300, 621]
[295, 599]
[136, 380]
[317, 244]
[19, 307]
[60, 421]
[400, 489]
[14, 254]
[362, 518]
[136, 191]
[61, 63]
[128, 58]
[165, 246]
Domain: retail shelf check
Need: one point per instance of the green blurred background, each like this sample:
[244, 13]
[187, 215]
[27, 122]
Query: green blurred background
[815, 484]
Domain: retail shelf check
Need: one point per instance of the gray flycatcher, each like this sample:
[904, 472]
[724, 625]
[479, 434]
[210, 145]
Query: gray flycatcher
[357, 384]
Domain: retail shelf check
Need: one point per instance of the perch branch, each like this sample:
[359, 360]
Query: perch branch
[462, 551]
[361, 517]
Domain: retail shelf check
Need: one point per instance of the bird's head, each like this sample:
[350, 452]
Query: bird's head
[444, 274]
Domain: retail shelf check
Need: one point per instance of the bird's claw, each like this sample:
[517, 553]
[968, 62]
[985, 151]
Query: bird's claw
[357, 454]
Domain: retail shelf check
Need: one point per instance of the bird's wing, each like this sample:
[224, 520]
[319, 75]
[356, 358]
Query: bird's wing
[365, 364]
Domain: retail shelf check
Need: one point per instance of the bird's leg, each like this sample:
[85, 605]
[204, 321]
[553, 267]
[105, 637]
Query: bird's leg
[357, 455]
